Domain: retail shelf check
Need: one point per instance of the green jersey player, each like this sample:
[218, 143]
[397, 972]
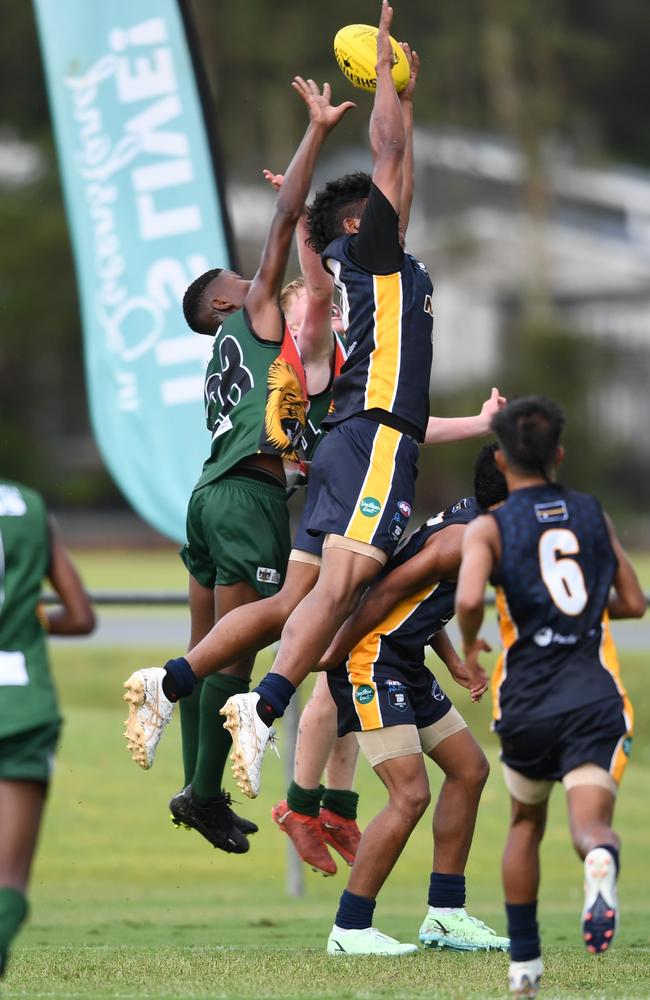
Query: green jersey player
[30, 549]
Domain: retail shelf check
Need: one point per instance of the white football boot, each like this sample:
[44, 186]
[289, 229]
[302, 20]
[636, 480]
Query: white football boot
[368, 941]
[149, 712]
[250, 739]
[600, 912]
[524, 978]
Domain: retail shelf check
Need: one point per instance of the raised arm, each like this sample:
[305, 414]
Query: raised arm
[262, 298]
[408, 169]
[438, 560]
[442, 430]
[315, 334]
[480, 548]
[75, 616]
[626, 599]
[387, 134]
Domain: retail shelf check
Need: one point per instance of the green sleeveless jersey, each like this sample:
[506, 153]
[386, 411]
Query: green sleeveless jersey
[27, 694]
[255, 397]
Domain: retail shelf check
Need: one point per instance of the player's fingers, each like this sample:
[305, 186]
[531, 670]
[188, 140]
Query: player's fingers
[416, 60]
[327, 92]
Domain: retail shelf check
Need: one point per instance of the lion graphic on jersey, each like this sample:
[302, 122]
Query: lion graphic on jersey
[286, 410]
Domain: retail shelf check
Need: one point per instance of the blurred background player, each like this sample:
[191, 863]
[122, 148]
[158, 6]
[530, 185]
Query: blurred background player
[560, 708]
[30, 722]
[257, 397]
[387, 696]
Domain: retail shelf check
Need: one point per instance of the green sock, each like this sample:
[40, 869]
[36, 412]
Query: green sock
[341, 801]
[190, 715]
[13, 910]
[214, 741]
[304, 800]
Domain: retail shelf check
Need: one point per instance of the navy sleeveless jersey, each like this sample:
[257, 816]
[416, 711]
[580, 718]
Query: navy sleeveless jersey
[415, 620]
[389, 319]
[552, 588]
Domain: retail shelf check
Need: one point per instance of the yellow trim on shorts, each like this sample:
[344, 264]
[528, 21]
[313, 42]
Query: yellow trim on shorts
[385, 360]
[377, 483]
[361, 661]
[609, 660]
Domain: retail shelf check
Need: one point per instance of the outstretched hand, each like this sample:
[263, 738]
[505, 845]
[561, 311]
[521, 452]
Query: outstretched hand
[413, 60]
[275, 180]
[385, 54]
[491, 406]
[321, 111]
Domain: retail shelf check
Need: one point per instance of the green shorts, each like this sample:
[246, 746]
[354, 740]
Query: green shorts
[238, 531]
[29, 755]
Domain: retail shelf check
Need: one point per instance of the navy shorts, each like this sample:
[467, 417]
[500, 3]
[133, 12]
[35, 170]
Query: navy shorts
[361, 484]
[377, 695]
[547, 749]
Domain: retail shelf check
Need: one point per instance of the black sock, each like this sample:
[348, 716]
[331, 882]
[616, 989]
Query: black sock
[275, 693]
[523, 931]
[179, 680]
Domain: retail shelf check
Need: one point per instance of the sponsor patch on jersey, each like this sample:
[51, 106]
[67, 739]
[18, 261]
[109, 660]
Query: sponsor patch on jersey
[267, 575]
[545, 636]
[551, 512]
[370, 507]
[437, 692]
[12, 503]
[404, 508]
[397, 699]
[364, 694]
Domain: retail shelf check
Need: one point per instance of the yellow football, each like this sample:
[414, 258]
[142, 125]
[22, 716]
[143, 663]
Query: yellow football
[355, 48]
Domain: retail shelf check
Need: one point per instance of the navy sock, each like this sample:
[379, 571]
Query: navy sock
[354, 912]
[275, 693]
[523, 931]
[179, 680]
[614, 853]
[446, 890]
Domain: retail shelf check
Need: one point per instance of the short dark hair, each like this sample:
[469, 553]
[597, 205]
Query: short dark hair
[529, 430]
[337, 201]
[490, 484]
[194, 301]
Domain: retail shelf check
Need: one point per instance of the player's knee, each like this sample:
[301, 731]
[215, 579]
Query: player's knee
[530, 820]
[412, 800]
[477, 772]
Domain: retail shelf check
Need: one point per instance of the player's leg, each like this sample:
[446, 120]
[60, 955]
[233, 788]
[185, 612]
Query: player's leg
[596, 742]
[395, 756]
[466, 769]
[202, 619]
[300, 815]
[21, 809]
[521, 877]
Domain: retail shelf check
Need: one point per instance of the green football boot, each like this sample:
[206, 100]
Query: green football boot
[460, 931]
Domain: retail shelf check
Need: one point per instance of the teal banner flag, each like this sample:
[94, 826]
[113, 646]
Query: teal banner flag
[145, 217]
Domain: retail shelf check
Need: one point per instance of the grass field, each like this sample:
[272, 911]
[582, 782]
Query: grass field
[123, 905]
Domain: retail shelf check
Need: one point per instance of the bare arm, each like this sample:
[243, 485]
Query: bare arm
[480, 552]
[438, 560]
[76, 616]
[443, 647]
[442, 430]
[408, 171]
[262, 298]
[315, 335]
[626, 599]
[387, 136]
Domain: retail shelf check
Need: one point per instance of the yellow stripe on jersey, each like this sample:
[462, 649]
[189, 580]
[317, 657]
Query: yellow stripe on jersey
[384, 363]
[376, 485]
[362, 659]
[508, 631]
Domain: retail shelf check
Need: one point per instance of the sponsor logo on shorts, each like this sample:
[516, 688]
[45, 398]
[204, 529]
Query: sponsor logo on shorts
[545, 636]
[554, 510]
[437, 691]
[267, 575]
[397, 699]
[404, 508]
[370, 507]
[364, 694]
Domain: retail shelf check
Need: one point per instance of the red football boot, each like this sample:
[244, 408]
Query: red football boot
[341, 834]
[306, 835]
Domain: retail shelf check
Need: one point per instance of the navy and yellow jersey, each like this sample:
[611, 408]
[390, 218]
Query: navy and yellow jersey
[255, 397]
[552, 588]
[389, 319]
[400, 639]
